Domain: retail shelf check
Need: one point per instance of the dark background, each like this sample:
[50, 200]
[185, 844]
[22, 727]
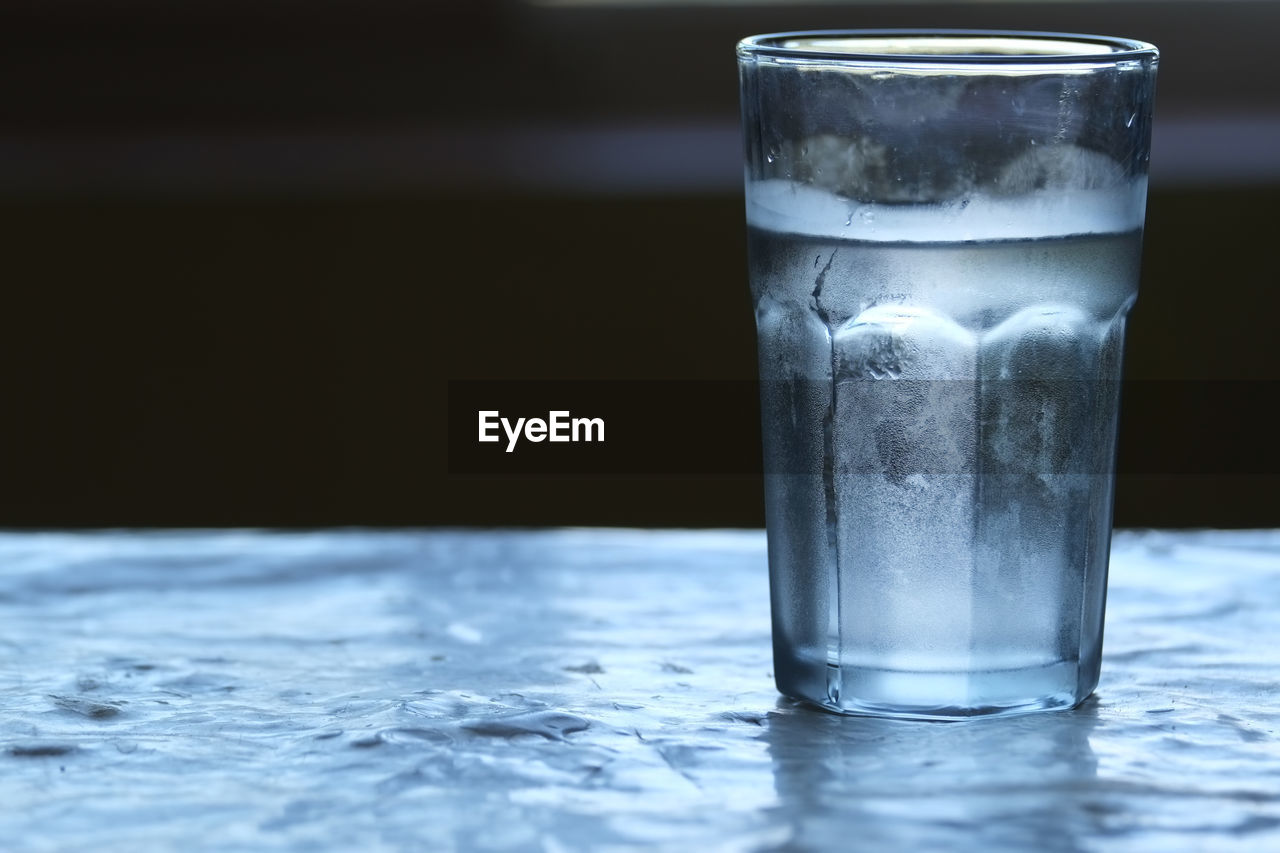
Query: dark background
[247, 246]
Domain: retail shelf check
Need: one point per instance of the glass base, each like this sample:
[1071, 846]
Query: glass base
[936, 695]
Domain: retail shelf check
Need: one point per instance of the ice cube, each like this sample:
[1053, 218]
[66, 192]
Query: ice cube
[1059, 167]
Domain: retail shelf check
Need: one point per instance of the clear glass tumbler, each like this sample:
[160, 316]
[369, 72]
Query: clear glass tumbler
[944, 238]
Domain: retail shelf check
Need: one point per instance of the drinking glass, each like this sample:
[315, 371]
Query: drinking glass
[944, 232]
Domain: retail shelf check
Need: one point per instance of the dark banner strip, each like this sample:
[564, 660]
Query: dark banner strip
[549, 428]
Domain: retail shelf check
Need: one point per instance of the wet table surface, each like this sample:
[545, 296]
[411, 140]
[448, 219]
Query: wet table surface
[570, 690]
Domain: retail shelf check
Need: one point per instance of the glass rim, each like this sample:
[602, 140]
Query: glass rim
[1111, 49]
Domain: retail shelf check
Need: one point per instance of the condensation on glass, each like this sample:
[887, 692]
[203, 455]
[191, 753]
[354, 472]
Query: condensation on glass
[944, 239]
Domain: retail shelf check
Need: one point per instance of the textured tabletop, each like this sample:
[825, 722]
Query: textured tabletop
[572, 690]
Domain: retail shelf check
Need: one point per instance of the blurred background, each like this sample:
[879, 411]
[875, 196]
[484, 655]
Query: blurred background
[248, 244]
